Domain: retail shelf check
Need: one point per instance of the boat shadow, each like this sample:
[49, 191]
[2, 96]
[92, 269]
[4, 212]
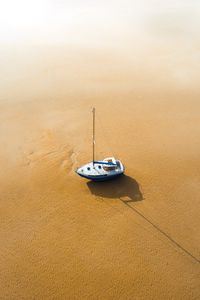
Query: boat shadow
[125, 188]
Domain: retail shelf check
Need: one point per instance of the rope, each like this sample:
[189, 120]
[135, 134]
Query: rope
[161, 231]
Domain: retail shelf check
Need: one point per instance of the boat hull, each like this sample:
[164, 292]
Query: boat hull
[104, 170]
[101, 177]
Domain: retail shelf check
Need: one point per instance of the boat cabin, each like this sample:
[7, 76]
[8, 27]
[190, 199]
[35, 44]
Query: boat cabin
[112, 164]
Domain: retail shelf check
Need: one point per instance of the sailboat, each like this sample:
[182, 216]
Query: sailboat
[100, 170]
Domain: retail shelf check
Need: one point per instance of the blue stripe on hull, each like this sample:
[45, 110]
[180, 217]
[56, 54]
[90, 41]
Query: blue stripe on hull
[100, 177]
[104, 163]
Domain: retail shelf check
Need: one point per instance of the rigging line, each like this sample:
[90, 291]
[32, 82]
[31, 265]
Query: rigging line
[161, 231]
[122, 213]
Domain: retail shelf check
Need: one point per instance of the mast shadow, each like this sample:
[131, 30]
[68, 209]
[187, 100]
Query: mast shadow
[123, 187]
[127, 190]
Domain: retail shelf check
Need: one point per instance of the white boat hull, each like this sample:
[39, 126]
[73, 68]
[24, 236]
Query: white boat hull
[101, 170]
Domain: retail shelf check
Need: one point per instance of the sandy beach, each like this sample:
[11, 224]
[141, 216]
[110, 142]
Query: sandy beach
[63, 237]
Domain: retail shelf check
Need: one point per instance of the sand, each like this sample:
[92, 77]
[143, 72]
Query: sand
[138, 237]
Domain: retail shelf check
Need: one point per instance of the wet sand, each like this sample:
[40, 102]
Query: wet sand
[63, 237]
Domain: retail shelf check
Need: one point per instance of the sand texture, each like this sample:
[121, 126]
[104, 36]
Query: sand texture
[135, 238]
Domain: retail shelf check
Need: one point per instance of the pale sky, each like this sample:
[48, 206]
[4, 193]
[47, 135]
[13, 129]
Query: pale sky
[86, 21]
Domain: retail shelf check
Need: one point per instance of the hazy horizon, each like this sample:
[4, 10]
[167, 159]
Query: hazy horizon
[152, 40]
[87, 22]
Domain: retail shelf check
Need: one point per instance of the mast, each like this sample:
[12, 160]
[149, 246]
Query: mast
[93, 138]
